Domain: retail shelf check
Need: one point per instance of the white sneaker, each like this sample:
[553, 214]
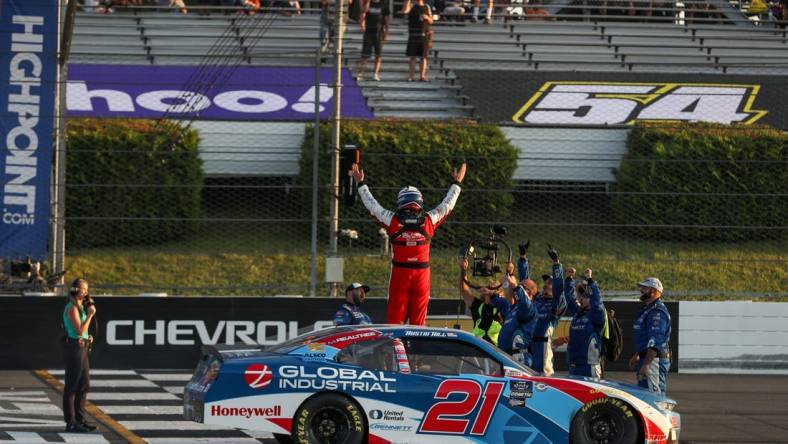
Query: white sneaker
[377, 77]
[360, 77]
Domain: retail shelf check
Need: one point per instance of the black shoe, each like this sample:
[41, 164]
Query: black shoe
[76, 428]
[88, 426]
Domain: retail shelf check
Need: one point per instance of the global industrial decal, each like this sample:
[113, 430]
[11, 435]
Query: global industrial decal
[22, 140]
[330, 378]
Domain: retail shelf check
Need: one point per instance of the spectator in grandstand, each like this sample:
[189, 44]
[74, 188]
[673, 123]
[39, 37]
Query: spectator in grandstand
[584, 350]
[350, 312]
[77, 317]
[488, 14]
[410, 231]
[326, 24]
[453, 11]
[535, 11]
[518, 328]
[652, 329]
[703, 13]
[548, 309]
[488, 310]
[375, 25]
[419, 37]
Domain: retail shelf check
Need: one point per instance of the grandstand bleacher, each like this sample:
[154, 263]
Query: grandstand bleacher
[594, 44]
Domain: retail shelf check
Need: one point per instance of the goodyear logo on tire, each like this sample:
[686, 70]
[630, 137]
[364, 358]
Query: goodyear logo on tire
[617, 103]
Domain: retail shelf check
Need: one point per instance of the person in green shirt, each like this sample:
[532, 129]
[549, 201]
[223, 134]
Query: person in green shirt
[77, 316]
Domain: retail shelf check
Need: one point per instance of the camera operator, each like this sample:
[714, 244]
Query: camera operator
[410, 231]
[518, 329]
[350, 312]
[77, 317]
[548, 308]
[487, 311]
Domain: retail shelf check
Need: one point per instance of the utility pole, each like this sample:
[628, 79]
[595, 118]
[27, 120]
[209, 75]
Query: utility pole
[335, 128]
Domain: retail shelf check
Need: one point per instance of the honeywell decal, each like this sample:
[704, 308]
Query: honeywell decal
[150, 91]
[27, 88]
[610, 103]
[194, 332]
[247, 412]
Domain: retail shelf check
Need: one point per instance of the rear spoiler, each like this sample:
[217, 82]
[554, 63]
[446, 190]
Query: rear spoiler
[222, 352]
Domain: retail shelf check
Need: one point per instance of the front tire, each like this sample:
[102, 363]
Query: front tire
[329, 419]
[605, 421]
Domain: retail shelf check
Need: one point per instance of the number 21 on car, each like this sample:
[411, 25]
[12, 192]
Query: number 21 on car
[464, 406]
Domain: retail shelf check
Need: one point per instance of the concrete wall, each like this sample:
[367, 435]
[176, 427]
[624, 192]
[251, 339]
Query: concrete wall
[733, 337]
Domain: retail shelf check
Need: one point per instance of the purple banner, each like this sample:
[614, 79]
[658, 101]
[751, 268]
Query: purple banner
[209, 93]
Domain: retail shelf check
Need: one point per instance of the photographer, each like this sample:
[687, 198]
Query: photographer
[77, 317]
[548, 308]
[488, 311]
[518, 329]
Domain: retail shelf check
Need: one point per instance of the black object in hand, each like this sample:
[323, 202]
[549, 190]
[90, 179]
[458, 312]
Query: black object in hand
[524, 247]
[552, 253]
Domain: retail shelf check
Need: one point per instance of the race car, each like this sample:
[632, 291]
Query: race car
[402, 384]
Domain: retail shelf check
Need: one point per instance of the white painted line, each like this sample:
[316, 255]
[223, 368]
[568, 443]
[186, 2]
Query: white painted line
[186, 377]
[171, 425]
[28, 407]
[83, 438]
[104, 396]
[209, 440]
[119, 383]
[142, 409]
[174, 389]
[259, 434]
[93, 372]
[26, 437]
[15, 421]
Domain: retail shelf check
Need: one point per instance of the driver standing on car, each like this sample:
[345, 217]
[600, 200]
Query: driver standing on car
[350, 312]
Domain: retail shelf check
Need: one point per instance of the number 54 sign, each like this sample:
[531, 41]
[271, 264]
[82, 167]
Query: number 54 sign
[616, 103]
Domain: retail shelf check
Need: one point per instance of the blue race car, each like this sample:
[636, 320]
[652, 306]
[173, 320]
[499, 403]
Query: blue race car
[397, 384]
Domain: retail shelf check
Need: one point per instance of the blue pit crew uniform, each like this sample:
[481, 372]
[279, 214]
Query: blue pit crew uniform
[584, 350]
[518, 328]
[351, 314]
[652, 329]
[548, 311]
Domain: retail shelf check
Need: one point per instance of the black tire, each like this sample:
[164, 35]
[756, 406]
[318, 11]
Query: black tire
[605, 421]
[329, 419]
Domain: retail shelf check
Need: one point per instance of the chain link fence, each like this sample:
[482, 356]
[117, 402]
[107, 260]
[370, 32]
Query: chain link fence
[241, 222]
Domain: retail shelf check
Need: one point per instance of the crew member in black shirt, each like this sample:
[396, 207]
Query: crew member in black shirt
[375, 24]
[419, 37]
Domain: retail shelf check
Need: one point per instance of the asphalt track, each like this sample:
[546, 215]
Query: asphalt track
[714, 408]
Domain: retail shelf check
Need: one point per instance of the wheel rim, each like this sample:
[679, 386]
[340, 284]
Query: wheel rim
[330, 425]
[604, 429]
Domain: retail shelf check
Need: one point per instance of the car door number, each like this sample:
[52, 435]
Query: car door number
[455, 416]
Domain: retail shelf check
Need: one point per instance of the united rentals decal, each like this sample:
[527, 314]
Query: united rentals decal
[623, 98]
[615, 103]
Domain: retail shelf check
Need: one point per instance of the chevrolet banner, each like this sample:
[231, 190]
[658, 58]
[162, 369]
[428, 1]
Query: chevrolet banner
[602, 99]
[28, 63]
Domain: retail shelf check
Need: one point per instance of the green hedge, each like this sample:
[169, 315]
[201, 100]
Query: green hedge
[423, 154]
[123, 173]
[734, 177]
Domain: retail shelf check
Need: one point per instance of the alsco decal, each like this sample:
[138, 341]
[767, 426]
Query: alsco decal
[616, 103]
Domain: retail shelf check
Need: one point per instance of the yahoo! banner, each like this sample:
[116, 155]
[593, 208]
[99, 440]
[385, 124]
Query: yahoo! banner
[211, 93]
[28, 64]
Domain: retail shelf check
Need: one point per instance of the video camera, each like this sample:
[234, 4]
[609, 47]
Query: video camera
[484, 253]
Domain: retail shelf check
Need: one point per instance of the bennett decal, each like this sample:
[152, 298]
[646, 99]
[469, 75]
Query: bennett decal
[615, 103]
[382, 427]
[258, 376]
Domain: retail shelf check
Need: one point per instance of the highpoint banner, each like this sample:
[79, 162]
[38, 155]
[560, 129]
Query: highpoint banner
[28, 63]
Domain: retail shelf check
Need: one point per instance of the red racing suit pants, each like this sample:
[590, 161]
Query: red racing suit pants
[409, 294]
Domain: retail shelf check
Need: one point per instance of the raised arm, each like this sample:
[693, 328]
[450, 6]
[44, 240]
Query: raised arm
[439, 213]
[522, 263]
[382, 215]
[596, 313]
[465, 291]
[569, 292]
